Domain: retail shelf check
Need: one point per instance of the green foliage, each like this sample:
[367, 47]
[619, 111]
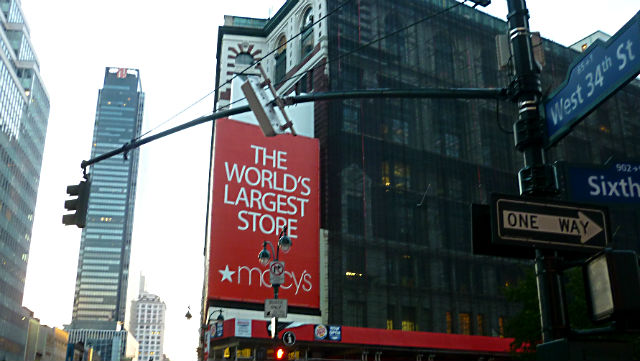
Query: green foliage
[576, 303]
[525, 326]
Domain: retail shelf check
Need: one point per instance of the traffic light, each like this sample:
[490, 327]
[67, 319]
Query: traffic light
[78, 204]
[261, 106]
[484, 3]
[280, 353]
[613, 288]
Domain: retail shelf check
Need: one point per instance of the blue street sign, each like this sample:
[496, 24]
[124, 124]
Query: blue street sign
[592, 78]
[615, 184]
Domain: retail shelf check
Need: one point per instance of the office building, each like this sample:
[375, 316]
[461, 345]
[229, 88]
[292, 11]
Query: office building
[24, 112]
[52, 344]
[147, 324]
[398, 175]
[105, 246]
[44, 343]
[111, 345]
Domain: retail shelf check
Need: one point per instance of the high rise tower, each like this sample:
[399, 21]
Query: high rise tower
[398, 175]
[105, 246]
[24, 111]
[147, 324]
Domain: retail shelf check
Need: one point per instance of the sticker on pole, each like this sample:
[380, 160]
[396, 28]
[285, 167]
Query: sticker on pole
[275, 307]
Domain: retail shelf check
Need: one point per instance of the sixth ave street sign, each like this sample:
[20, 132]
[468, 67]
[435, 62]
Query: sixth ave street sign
[549, 224]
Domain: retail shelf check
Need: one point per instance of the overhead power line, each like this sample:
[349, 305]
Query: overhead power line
[241, 73]
[367, 44]
[228, 81]
[469, 93]
[371, 93]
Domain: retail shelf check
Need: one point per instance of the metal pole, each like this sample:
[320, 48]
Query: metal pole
[536, 178]
[276, 288]
[452, 93]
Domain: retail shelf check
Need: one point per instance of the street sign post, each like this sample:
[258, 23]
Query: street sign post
[592, 78]
[548, 224]
[275, 307]
[615, 184]
[276, 272]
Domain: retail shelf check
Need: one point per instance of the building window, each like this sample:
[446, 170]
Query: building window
[350, 116]
[305, 84]
[396, 130]
[401, 175]
[480, 324]
[356, 314]
[424, 322]
[449, 321]
[306, 39]
[390, 315]
[501, 326]
[407, 277]
[281, 59]
[465, 323]
[452, 145]
[395, 42]
[355, 215]
[397, 175]
[244, 59]
[408, 319]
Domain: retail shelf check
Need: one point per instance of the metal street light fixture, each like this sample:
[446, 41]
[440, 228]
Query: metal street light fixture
[219, 319]
[264, 256]
[284, 243]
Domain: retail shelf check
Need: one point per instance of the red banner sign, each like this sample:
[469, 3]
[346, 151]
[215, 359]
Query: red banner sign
[261, 185]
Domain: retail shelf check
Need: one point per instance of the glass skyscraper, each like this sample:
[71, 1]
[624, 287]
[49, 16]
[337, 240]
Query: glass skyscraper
[24, 111]
[105, 246]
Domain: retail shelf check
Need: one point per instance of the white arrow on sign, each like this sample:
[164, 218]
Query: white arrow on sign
[581, 226]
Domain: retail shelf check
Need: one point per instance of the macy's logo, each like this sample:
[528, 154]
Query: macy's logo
[257, 276]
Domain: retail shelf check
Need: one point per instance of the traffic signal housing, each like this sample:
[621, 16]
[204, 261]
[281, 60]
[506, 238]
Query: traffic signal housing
[613, 288]
[484, 3]
[78, 204]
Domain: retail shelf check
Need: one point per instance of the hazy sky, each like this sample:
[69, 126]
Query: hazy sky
[174, 46]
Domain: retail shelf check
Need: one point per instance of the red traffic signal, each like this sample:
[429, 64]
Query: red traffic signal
[280, 353]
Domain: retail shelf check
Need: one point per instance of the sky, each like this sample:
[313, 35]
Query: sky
[173, 44]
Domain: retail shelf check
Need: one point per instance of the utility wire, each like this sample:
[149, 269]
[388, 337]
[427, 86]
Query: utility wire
[341, 56]
[278, 48]
[136, 142]
[240, 73]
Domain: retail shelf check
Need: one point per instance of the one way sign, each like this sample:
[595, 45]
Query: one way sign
[544, 224]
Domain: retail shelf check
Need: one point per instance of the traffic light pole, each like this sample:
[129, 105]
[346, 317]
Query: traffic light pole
[536, 178]
[428, 93]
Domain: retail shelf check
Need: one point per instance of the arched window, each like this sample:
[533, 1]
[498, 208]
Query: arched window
[244, 59]
[281, 59]
[306, 39]
[396, 43]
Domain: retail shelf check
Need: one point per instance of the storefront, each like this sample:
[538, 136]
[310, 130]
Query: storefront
[250, 340]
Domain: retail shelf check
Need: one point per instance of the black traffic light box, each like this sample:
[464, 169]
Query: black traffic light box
[612, 285]
[78, 204]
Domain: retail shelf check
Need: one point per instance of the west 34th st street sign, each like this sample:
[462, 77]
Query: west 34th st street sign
[596, 75]
[548, 224]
